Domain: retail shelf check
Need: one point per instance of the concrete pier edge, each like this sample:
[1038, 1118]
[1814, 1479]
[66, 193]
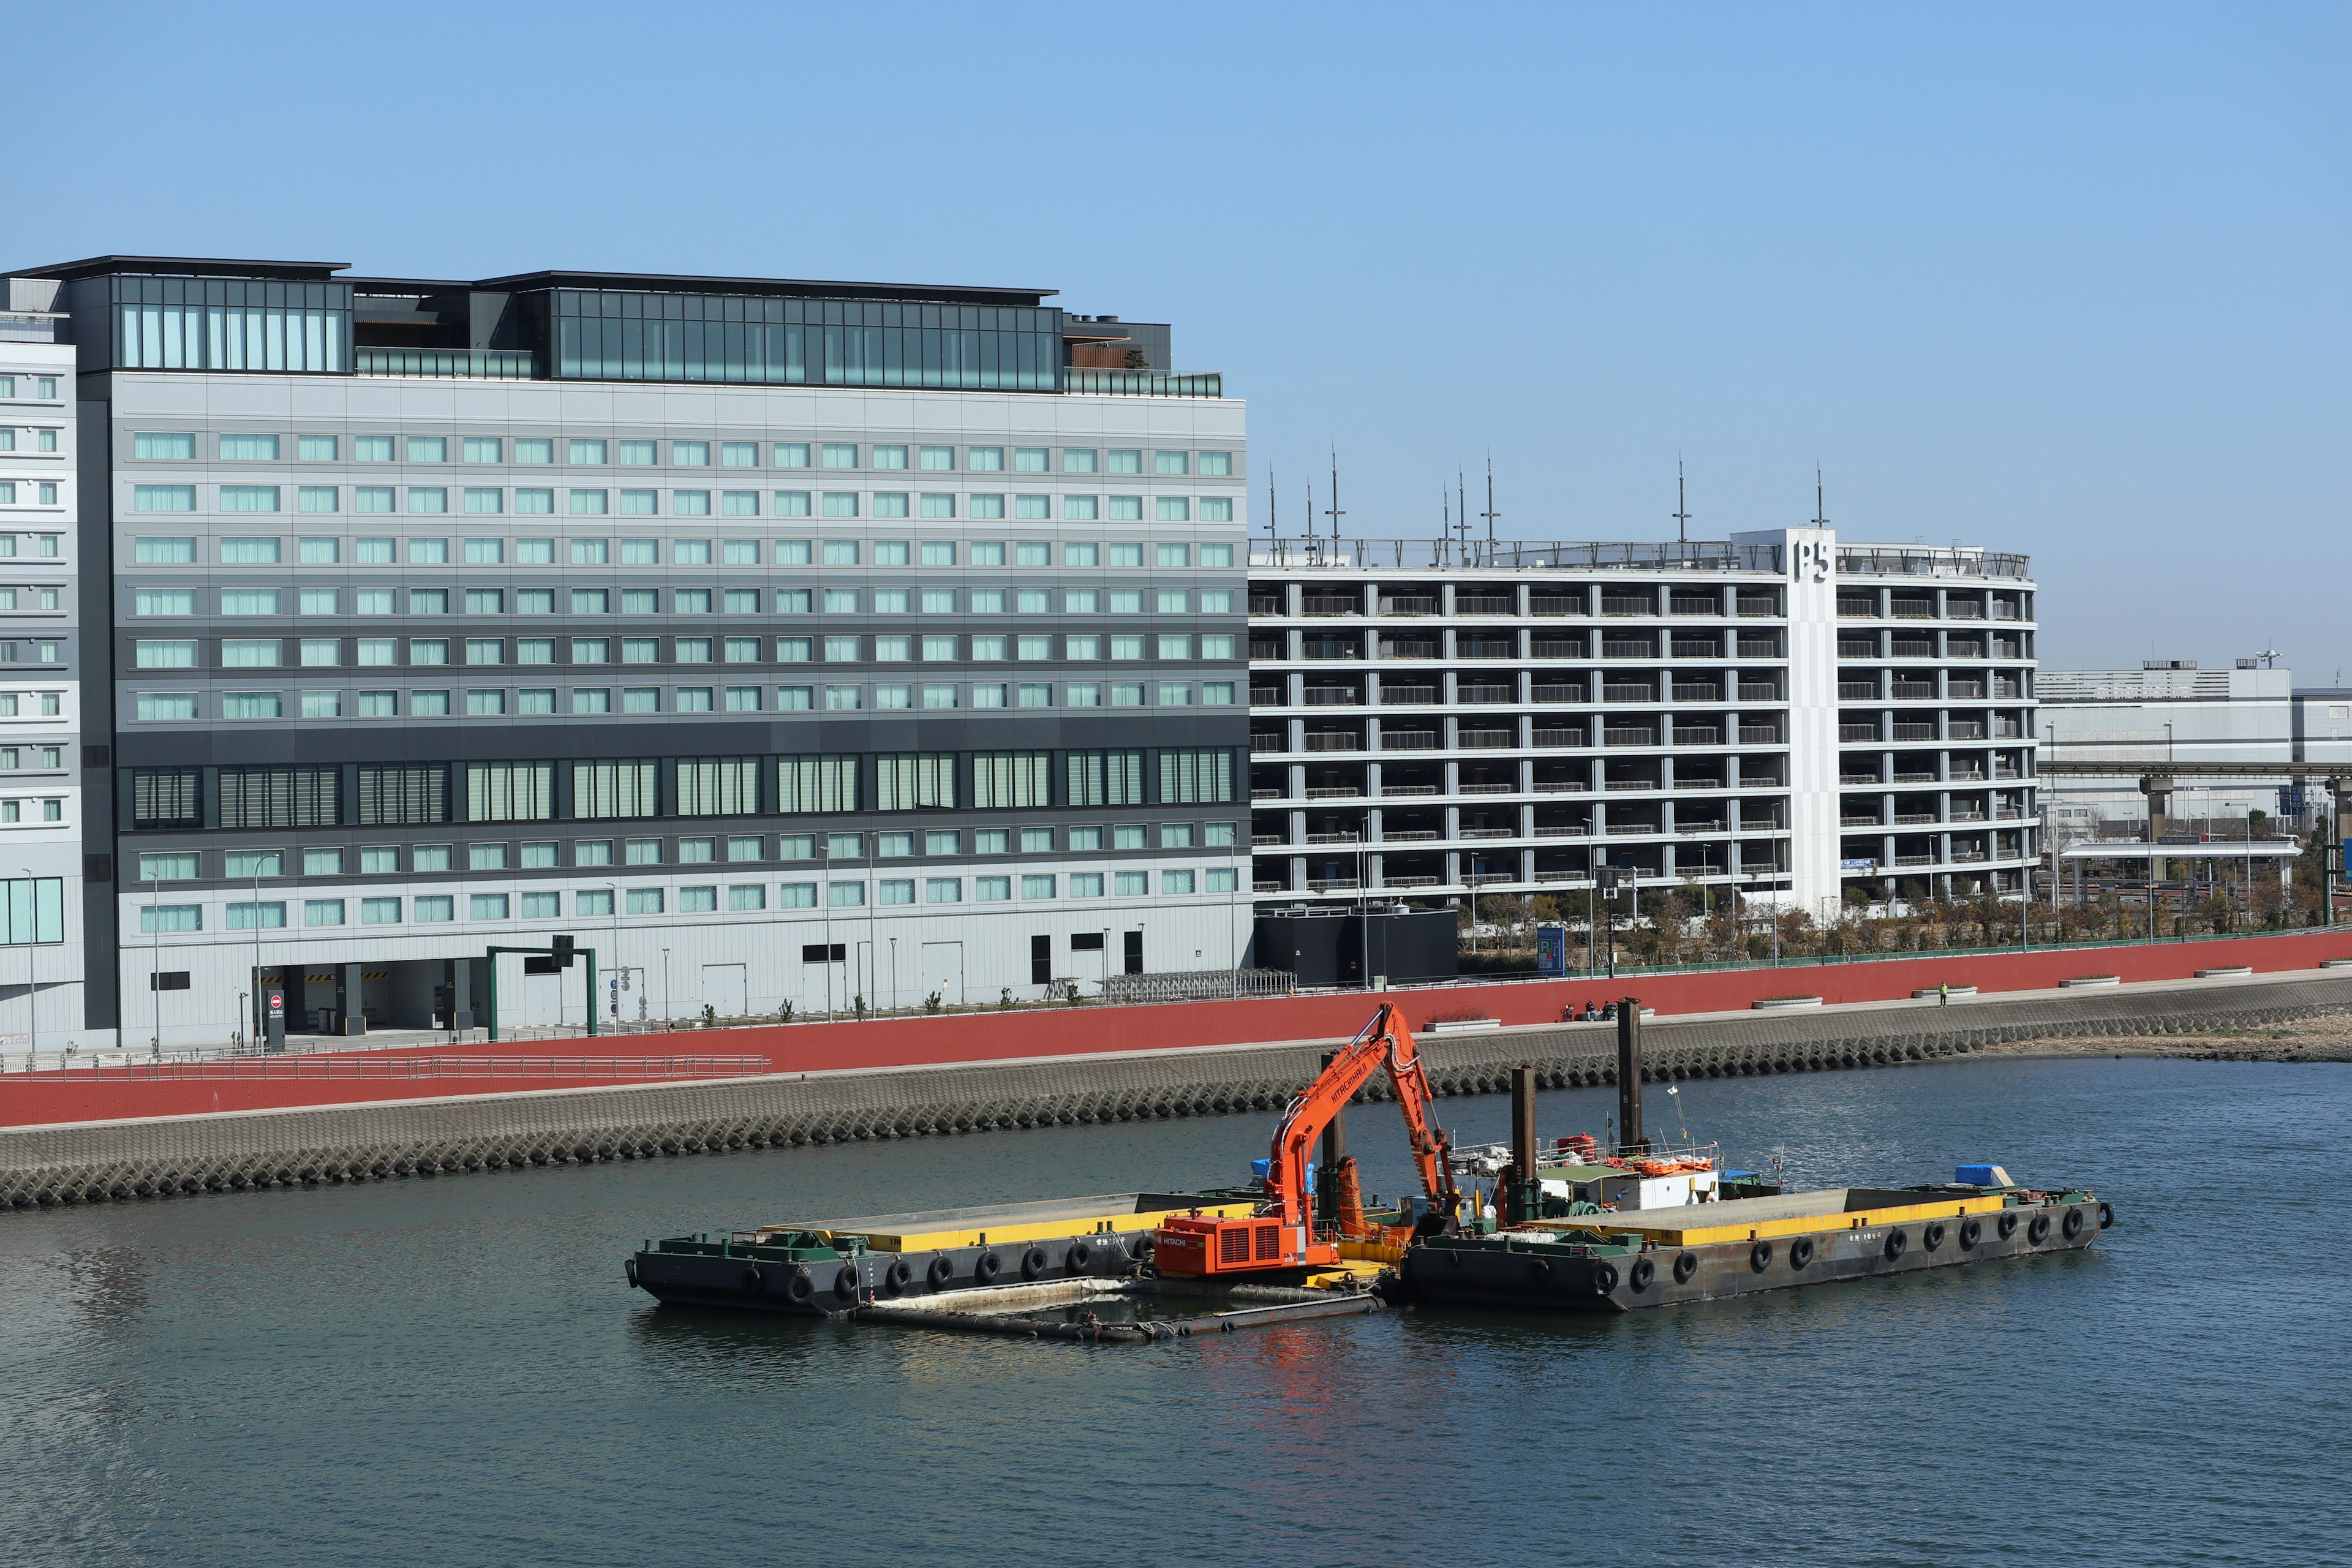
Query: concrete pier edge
[100, 1162]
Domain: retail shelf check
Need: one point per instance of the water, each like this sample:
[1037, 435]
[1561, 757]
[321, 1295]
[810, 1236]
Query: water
[451, 1373]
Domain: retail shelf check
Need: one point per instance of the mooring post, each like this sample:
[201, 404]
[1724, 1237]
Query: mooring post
[1629, 1076]
[1335, 1149]
[1527, 1192]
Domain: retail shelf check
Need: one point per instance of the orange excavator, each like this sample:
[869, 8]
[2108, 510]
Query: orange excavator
[1280, 1237]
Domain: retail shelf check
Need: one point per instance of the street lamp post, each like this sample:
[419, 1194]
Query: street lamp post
[32, 978]
[666, 1013]
[620, 972]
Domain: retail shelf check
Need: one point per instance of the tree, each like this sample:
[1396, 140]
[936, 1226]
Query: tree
[1135, 359]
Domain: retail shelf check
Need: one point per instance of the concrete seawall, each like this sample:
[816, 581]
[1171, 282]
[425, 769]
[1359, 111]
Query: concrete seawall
[186, 1154]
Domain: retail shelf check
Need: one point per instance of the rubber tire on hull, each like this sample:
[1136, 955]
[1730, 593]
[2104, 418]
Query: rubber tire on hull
[845, 1284]
[2005, 1226]
[1643, 1272]
[1604, 1277]
[1079, 1256]
[1033, 1263]
[1759, 1257]
[752, 1279]
[1897, 1240]
[2038, 1231]
[802, 1288]
[901, 1275]
[1932, 1238]
[1685, 1265]
[1538, 1269]
[2107, 1215]
[940, 1273]
[2072, 1225]
[1971, 1231]
[986, 1267]
[1800, 1252]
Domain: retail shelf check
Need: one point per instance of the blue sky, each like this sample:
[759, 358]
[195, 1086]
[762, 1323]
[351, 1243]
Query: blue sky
[2067, 280]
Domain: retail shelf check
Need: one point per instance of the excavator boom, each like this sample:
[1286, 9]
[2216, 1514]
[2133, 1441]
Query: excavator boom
[1281, 1236]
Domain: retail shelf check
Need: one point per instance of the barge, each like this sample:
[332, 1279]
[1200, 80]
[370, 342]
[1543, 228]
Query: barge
[829, 1266]
[1619, 1261]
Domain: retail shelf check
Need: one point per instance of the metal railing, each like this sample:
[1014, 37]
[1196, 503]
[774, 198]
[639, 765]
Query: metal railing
[1858, 561]
[1140, 383]
[1199, 984]
[462, 364]
[386, 1066]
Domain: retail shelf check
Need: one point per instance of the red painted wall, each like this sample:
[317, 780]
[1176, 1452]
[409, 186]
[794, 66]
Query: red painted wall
[43, 1098]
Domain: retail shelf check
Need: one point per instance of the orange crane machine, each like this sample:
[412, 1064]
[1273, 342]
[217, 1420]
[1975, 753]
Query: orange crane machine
[1280, 1235]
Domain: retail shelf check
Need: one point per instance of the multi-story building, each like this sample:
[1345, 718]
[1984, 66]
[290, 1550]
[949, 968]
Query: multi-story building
[785, 642]
[1781, 714]
[2171, 715]
[40, 753]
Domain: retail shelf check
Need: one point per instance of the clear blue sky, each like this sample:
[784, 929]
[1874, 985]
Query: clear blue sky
[2069, 280]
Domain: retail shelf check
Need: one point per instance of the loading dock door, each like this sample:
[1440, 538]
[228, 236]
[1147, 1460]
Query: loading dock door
[723, 989]
[1134, 952]
[819, 971]
[943, 972]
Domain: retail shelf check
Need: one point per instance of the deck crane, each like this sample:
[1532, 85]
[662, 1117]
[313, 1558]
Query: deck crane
[1280, 1235]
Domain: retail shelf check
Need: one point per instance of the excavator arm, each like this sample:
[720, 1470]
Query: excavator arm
[1385, 1041]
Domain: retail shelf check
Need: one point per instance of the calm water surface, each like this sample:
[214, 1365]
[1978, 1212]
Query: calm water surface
[452, 1372]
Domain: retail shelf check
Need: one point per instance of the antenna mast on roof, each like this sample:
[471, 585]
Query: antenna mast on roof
[1819, 507]
[1334, 513]
[1490, 514]
[1682, 506]
[1313, 540]
[1461, 508]
[1272, 537]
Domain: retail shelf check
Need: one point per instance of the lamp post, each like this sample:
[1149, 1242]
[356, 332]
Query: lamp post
[666, 1014]
[156, 966]
[620, 971]
[824, 882]
[32, 981]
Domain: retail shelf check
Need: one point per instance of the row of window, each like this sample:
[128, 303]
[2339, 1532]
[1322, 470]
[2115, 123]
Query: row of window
[42, 598]
[599, 452]
[32, 811]
[166, 706]
[42, 440]
[490, 502]
[266, 550]
[43, 492]
[320, 653]
[421, 794]
[427, 909]
[165, 602]
[44, 546]
[36, 386]
[426, 859]
[15, 757]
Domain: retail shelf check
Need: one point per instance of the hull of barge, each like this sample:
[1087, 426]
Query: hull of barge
[829, 1266]
[1628, 1270]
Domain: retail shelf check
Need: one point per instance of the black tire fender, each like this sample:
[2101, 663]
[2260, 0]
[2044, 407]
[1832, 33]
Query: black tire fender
[1759, 1257]
[1538, 1269]
[1800, 1252]
[1932, 1238]
[845, 1284]
[1641, 1274]
[986, 1267]
[1971, 1231]
[2107, 1215]
[901, 1275]
[2005, 1226]
[2072, 1225]
[1033, 1263]
[1604, 1277]
[940, 1273]
[2037, 1230]
[802, 1288]
[1897, 1240]
[1685, 1265]
[751, 1278]
[629, 1268]
[1081, 1253]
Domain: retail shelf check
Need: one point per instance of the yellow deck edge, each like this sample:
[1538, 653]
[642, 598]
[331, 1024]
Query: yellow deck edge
[1042, 1230]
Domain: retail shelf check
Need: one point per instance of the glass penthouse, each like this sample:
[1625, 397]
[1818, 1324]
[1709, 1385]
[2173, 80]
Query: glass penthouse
[783, 641]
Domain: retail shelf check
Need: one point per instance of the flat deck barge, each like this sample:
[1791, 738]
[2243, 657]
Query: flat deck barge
[1621, 1261]
[827, 1267]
